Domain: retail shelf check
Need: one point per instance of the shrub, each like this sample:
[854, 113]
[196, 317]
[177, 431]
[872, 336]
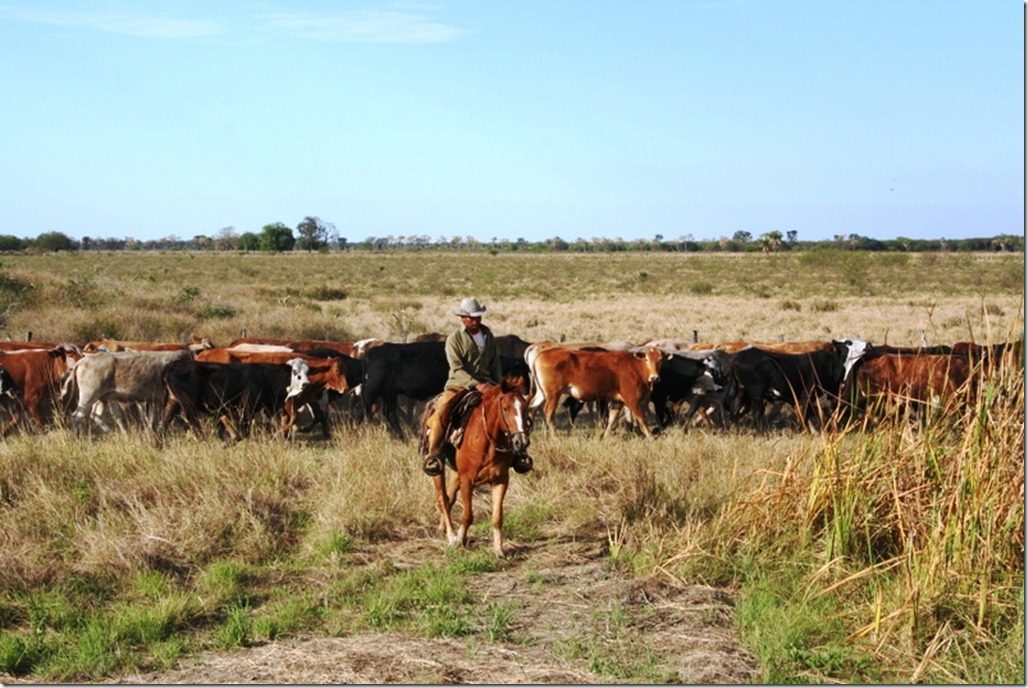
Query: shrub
[215, 313]
[824, 306]
[701, 288]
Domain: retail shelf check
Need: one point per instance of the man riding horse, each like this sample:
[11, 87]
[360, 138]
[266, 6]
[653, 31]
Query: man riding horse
[474, 364]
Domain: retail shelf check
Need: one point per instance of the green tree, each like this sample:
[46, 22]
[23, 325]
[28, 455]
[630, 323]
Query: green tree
[277, 237]
[9, 242]
[55, 241]
[313, 234]
[248, 241]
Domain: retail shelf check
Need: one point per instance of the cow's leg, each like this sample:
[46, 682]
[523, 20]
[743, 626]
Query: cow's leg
[390, 410]
[119, 415]
[612, 417]
[550, 410]
[639, 412]
[15, 408]
[574, 407]
[499, 491]
[694, 405]
[758, 408]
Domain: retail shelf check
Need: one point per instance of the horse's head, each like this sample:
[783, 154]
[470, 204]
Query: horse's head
[516, 421]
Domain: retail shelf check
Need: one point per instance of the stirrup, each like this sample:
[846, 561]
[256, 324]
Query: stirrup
[433, 465]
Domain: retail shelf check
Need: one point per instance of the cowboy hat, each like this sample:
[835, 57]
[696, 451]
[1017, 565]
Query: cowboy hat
[470, 307]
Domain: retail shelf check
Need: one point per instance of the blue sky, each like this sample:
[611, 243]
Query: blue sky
[515, 119]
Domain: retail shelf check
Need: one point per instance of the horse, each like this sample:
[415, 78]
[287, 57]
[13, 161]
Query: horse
[495, 436]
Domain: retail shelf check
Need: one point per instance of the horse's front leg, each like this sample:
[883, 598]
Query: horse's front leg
[499, 491]
[466, 516]
[444, 500]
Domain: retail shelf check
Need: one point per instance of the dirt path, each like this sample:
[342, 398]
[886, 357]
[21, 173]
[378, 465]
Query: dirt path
[578, 621]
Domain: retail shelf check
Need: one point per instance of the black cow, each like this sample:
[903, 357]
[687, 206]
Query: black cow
[416, 369]
[511, 345]
[234, 393]
[875, 350]
[799, 379]
[685, 377]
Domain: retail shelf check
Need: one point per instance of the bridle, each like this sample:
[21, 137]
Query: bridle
[517, 439]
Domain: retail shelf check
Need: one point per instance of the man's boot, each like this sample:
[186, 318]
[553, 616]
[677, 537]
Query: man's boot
[433, 464]
[522, 464]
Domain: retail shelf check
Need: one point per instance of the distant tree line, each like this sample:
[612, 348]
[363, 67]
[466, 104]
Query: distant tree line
[314, 235]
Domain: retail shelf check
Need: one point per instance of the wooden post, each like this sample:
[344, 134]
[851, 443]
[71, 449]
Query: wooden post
[28, 336]
[695, 336]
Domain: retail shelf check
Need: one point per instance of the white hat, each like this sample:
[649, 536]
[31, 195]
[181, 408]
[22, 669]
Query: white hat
[470, 307]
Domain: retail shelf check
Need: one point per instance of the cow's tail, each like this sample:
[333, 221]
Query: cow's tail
[535, 390]
[69, 384]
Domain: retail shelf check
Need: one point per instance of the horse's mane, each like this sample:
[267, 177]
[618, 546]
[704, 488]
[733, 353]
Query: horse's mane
[493, 391]
[505, 387]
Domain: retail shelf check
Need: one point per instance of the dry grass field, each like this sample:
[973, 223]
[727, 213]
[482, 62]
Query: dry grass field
[886, 553]
[884, 298]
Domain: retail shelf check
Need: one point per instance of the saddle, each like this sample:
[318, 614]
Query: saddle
[453, 434]
[459, 416]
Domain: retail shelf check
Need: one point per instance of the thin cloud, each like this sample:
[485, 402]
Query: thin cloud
[367, 26]
[141, 26]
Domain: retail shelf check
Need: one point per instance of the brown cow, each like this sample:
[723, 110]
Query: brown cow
[803, 347]
[913, 380]
[294, 344]
[112, 345]
[620, 377]
[25, 346]
[36, 375]
[994, 358]
[429, 337]
[331, 375]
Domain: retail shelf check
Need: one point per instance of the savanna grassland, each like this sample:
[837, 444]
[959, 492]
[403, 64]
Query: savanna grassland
[890, 552]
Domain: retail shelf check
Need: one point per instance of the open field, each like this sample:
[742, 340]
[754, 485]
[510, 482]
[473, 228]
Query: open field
[709, 556]
[891, 298]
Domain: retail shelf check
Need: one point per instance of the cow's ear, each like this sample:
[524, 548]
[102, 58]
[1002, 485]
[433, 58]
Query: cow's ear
[639, 354]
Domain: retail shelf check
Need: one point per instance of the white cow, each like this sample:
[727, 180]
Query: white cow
[124, 376]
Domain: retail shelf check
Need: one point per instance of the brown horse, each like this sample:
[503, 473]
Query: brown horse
[496, 434]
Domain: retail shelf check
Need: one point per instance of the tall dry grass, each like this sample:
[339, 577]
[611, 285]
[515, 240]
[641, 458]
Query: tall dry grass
[911, 534]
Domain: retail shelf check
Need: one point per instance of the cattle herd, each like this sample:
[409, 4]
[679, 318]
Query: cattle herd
[274, 382]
